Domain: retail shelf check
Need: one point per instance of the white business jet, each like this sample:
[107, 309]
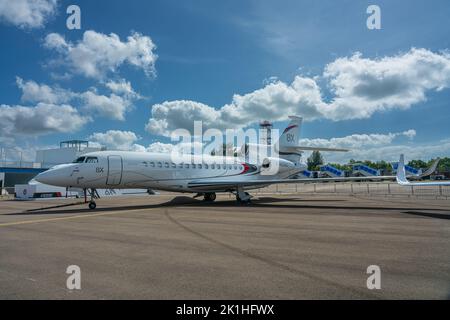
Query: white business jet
[204, 175]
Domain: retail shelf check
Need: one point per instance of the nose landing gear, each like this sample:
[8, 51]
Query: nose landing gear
[93, 195]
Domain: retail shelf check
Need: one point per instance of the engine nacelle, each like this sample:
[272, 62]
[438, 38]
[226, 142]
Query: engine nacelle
[271, 166]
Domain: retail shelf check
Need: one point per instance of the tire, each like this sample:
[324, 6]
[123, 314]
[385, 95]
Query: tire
[92, 205]
[210, 197]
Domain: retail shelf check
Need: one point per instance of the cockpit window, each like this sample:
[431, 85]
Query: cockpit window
[91, 160]
[79, 160]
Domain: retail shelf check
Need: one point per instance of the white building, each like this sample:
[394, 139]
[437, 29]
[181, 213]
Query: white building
[67, 152]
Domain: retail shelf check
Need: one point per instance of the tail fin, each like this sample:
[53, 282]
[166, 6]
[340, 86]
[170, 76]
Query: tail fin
[289, 139]
[291, 135]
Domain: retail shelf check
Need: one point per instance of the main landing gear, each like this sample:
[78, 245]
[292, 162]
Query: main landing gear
[210, 196]
[242, 197]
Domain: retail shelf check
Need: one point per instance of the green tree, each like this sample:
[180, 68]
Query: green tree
[314, 161]
[418, 164]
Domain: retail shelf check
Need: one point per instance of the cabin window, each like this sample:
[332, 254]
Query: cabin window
[91, 160]
[79, 160]
[241, 168]
[186, 165]
[230, 167]
[159, 165]
[199, 166]
[152, 164]
[235, 167]
[213, 166]
[218, 166]
[193, 166]
[180, 166]
[206, 166]
[174, 165]
[166, 164]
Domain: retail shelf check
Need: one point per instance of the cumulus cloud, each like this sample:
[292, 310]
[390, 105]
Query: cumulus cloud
[115, 139]
[364, 86]
[378, 146]
[97, 54]
[42, 119]
[358, 140]
[113, 106]
[360, 87]
[27, 14]
[35, 92]
[122, 87]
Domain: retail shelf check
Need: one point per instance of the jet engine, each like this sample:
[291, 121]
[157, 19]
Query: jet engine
[271, 166]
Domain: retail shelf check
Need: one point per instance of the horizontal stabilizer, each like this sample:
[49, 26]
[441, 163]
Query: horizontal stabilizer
[305, 148]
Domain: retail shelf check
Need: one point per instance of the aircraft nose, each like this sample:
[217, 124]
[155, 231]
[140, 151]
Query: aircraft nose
[55, 176]
[46, 177]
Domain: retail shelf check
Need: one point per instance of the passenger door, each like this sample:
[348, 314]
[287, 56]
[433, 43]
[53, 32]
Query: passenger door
[115, 167]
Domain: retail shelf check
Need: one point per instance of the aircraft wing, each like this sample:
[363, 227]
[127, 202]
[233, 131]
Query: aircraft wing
[402, 180]
[199, 184]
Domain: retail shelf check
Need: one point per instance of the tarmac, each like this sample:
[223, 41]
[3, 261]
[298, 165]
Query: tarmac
[174, 247]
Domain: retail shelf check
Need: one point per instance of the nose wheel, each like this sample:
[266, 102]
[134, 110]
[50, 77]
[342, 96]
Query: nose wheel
[92, 205]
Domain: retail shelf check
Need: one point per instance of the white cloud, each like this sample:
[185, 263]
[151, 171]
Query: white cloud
[376, 147]
[364, 86]
[360, 86]
[42, 119]
[97, 54]
[358, 140]
[115, 139]
[27, 14]
[35, 92]
[122, 87]
[113, 106]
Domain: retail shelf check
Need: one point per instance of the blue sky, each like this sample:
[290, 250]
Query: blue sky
[208, 51]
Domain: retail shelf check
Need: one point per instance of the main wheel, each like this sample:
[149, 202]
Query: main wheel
[92, 205]
[210, 196]
[240, 201]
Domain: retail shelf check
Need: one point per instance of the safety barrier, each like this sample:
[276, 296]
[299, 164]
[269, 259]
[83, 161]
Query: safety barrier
[371, 188]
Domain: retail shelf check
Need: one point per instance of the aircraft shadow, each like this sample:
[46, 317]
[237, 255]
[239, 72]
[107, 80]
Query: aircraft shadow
[263, 202]
[429, 214]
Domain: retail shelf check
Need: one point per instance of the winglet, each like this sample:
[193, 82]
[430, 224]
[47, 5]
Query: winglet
[401, 174]
[431, 169]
